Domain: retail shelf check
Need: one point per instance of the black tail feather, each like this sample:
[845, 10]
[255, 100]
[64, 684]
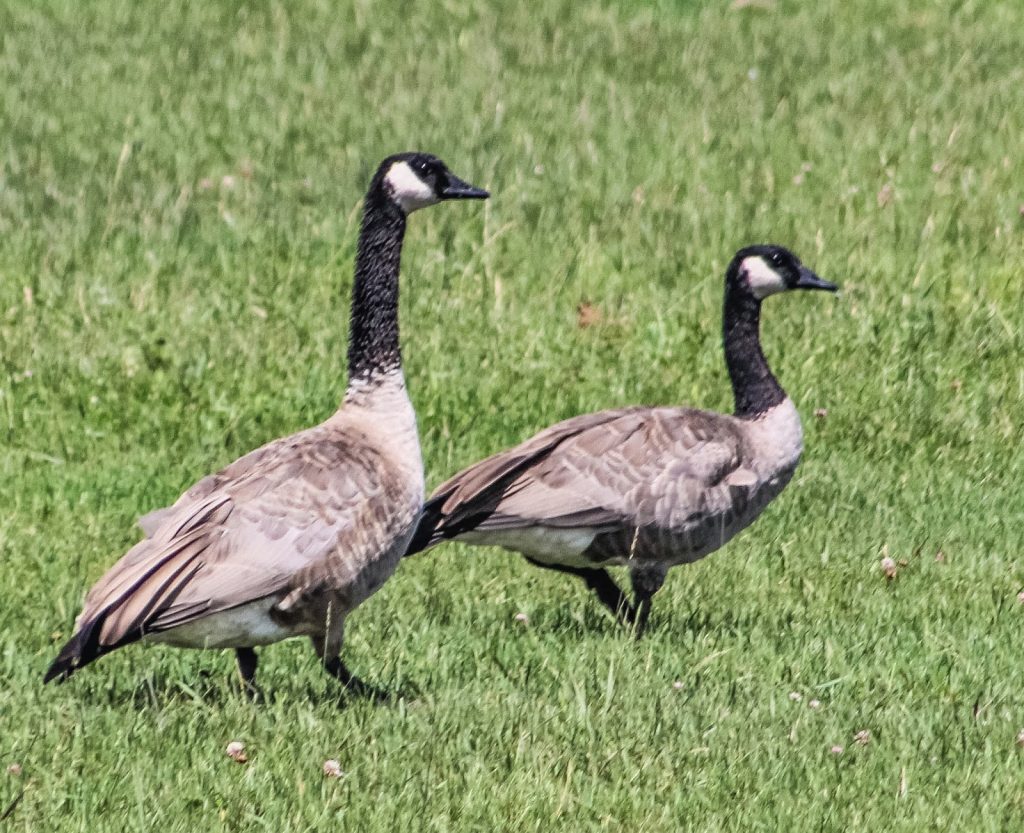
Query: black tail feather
[426, 533]
[84, 647]
[437, 524]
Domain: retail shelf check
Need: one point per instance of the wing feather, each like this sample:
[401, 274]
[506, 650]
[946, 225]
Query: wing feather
[605, 471]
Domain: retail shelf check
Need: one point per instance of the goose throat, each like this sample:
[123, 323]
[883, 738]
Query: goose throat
[373, 344]
[755, 389]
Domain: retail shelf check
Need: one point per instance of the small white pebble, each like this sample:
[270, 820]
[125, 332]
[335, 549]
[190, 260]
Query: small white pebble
[1020, 597]
[236, 751]
[1020, 742]
[863, 737]
[752, 73]
[814, 704]
[538, 170]
[14, 769]
[795, 696]
[332, 769]
[888, 567]
[522, 617]
[227, 181]
[836, 750]
[678, 685]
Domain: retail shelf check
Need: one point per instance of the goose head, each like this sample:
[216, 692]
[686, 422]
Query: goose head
[416, 180]
[760, 271]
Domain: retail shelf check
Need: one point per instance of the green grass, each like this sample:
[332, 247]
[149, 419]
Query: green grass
[155, 323]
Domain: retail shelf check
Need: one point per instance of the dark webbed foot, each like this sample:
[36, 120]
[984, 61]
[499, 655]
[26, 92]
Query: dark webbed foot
[643, 613]
[247, 661]
[353, 685]
[328, 649]
[600, 583]
[647, 580]
[610, 595]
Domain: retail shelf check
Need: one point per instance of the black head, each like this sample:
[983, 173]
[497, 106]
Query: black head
[767, 269]
[416, 180]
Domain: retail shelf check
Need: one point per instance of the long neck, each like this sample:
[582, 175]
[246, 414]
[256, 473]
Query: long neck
[755, 390]
[373, 349]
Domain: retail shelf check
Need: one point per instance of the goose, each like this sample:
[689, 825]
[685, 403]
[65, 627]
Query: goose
[645, 488]
[289, 539]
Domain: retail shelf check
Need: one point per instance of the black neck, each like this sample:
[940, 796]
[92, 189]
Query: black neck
[373, 332]
[755, 390]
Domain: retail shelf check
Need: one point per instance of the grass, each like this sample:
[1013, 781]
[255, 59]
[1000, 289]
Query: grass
[179, 198]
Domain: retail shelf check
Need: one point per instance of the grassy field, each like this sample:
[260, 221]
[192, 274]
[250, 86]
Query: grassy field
[179, 199]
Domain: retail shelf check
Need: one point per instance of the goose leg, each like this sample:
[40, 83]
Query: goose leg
[647, 581]
[328, 649]
[247, 661]
[600, 583]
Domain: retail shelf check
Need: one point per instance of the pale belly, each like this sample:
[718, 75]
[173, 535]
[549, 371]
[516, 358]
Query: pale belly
[552, 546]
[240, 627]
[253, 624]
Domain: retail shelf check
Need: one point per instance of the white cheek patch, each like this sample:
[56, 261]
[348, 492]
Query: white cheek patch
[408, 190]
[762, 278]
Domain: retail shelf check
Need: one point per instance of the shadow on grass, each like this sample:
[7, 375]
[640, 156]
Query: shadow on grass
[158, 690]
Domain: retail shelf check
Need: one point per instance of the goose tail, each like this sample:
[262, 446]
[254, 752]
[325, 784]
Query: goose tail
[429, 528]
[84, 647]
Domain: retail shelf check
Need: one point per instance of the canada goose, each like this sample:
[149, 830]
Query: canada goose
[644, 488]
[289, 539]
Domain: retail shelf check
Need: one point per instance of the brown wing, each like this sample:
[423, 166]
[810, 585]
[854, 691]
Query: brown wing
[296, 516]
[638, 466]
[152, 521]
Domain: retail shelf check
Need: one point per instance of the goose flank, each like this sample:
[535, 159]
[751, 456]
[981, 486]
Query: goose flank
[644, 488]
[289, 539]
